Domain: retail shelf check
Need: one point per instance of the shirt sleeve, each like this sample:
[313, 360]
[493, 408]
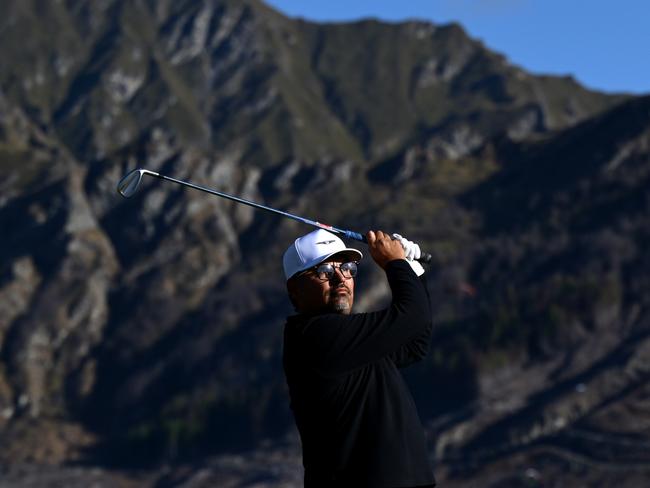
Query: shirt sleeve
[416, 349]
[339, 343]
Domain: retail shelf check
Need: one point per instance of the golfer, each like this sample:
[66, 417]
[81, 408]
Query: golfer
[357, 420]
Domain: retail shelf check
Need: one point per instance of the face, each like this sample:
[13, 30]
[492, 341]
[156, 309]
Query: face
[310, 294]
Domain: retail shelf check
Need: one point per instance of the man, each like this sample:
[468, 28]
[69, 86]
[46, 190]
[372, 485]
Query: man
[357, 420]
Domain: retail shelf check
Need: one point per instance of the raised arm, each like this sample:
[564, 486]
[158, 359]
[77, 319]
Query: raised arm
[340, 343]
[418, 347]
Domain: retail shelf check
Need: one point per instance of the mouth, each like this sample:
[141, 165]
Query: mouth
[340, 291]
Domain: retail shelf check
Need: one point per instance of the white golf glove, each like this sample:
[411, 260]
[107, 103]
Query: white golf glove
[412, 252]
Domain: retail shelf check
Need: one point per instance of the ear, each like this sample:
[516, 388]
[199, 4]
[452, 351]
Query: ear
[294, 292]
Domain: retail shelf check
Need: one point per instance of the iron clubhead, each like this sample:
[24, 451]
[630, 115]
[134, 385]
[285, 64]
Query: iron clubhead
[130, 183]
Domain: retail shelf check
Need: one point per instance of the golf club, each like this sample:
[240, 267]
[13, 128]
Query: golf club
[129, 184]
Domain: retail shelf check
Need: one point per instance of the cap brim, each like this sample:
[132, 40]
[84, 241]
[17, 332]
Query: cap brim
[349, 253]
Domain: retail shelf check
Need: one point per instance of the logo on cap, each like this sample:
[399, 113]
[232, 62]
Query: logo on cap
[312, 249]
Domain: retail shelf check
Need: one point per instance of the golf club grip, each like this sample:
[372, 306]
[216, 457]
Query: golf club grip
[425, 257]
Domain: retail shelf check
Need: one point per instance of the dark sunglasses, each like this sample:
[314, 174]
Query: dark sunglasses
[325, 272]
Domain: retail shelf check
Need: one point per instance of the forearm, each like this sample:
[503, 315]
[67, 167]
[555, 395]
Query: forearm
[416, 349]
[409, 293]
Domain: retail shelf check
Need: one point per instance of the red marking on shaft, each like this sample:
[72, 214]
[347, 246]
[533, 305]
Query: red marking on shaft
[324, 226]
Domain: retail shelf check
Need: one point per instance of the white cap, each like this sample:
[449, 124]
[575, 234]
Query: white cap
[314, 248]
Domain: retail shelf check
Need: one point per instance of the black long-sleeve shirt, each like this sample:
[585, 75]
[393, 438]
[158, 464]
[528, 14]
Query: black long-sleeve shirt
[356, 417]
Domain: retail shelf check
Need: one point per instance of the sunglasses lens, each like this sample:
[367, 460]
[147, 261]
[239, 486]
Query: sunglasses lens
[325, 272]
[349, 270]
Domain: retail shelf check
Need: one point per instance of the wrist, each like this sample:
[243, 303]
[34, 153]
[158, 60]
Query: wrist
[385, 260]
[394, 261]
[417, 268]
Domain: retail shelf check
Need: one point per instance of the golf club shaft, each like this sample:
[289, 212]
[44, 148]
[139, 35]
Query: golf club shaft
[424, 258]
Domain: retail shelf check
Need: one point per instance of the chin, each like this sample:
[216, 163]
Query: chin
[342, 306]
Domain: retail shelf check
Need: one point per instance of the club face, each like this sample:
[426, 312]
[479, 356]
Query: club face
[130, 183]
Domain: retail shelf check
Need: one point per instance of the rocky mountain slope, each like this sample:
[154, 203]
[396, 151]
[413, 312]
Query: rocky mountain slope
[147, 332]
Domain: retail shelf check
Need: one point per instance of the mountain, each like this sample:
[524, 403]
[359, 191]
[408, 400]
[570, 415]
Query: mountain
[142, 332]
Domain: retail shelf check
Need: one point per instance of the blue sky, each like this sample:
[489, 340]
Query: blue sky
[605, 44]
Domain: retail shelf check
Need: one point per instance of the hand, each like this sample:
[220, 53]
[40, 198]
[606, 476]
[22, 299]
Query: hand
[412, 252]
[411, 249]
[383, 248]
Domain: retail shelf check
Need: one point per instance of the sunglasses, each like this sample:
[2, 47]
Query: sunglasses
[325, 272]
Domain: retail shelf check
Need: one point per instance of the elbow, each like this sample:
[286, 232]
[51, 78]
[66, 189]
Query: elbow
[421, 347]
[418, 317]
[426, 340]
[422, 352]
[422, 321]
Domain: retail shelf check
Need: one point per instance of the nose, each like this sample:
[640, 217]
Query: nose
[338, 277]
